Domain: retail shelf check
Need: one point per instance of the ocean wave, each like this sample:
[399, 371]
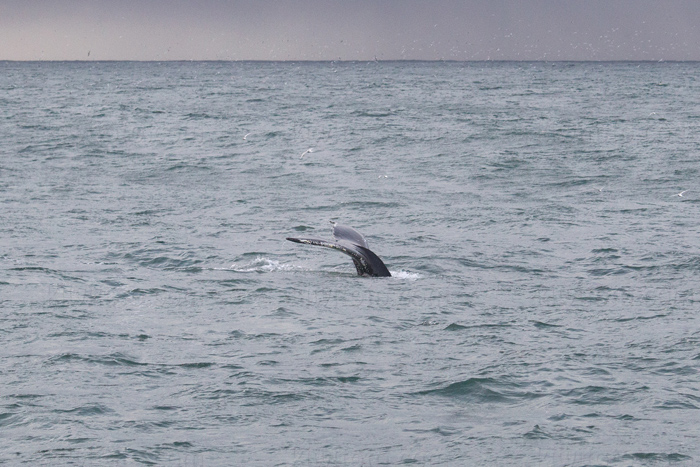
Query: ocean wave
[654, 457]
[264, 264]
[482, 390]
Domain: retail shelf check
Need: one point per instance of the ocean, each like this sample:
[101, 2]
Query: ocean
[540, 222]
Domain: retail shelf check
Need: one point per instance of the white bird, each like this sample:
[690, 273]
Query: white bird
[681, 193]
[306, 152]
[246, 136]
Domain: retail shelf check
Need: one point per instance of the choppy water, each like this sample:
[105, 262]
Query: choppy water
[543, 308]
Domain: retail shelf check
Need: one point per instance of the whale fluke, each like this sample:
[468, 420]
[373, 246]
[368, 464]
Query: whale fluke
[352, 243]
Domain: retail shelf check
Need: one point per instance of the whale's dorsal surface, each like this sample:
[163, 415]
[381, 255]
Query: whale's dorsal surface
[352, 243]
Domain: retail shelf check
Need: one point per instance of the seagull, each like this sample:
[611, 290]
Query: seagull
[306, 152]
[681, 193]
[246, 136]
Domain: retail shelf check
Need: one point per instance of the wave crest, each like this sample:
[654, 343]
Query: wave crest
[262, 264]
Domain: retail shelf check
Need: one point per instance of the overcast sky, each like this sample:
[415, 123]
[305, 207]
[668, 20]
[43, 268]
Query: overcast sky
[349, 29]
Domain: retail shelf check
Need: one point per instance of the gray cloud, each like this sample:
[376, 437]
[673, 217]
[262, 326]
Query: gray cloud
[350, 30]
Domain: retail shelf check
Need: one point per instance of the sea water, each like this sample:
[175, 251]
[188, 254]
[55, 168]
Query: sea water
[543, 307]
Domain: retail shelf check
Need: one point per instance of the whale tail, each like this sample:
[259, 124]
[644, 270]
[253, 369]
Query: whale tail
[352, 243]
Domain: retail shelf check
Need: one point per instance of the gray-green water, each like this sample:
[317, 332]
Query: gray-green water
[543, 308]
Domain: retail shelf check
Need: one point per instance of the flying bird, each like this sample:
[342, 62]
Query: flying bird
[306, 152]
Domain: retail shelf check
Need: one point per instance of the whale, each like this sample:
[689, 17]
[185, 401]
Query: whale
[352, 243]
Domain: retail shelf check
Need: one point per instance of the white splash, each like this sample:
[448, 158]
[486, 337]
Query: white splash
[411, 276]
[263, 264]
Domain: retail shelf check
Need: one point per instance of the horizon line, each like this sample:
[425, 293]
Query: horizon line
[563, 60]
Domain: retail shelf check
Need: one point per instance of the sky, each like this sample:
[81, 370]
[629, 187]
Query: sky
[350, 30]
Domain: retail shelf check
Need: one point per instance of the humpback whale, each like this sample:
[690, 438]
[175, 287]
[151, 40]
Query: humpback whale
[352, 243]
